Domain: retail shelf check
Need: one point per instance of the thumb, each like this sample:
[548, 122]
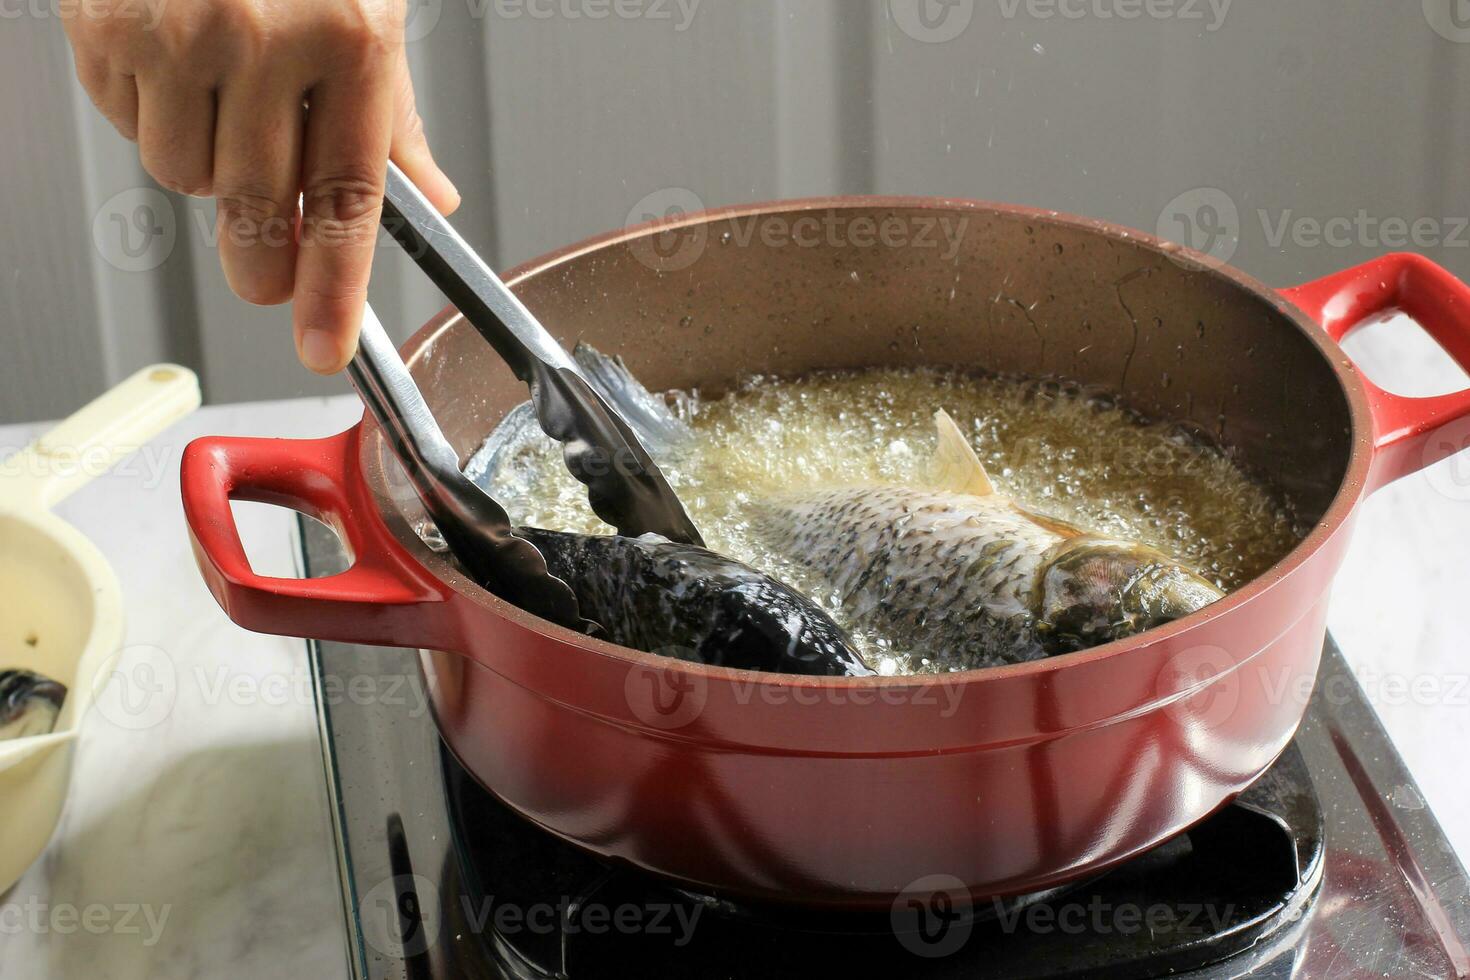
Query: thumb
[410, 149]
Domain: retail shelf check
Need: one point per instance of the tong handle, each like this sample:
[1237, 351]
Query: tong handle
[391, 395]
[474, 289]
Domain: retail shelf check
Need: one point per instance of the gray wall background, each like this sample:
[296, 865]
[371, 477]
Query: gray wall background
[556, 123]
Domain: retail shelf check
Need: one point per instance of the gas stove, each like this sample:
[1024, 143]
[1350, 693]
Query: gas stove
[1330, 866]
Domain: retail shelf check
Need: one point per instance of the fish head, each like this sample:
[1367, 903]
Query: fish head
[1095, 590]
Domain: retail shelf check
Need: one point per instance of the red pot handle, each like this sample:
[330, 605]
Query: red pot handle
[1409, 433]
[381, 599]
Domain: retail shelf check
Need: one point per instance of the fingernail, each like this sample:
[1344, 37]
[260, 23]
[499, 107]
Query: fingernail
[319, 351]
[454, 194]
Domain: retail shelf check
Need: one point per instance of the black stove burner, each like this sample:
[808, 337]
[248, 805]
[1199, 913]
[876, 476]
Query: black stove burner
[542, 908]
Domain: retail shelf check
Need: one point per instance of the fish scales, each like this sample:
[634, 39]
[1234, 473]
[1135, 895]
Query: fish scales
[961, 572]
[950, 569]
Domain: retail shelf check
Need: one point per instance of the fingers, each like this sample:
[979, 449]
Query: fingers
[348, 133]
[176, 132]
[114, 93]
[257, 174]
[217, 109]
[410, 149]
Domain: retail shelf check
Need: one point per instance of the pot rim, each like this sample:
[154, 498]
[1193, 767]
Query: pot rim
[1350, 490]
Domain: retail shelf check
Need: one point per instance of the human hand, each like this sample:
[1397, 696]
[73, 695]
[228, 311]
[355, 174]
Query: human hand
[284, 111]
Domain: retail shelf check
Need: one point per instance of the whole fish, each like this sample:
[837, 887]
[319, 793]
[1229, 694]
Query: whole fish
[963, 574]
[29, 703]
[654, 595]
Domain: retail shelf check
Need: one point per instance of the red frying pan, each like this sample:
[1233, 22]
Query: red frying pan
[848, 791]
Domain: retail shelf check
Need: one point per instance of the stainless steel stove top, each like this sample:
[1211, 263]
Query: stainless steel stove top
[439, 880]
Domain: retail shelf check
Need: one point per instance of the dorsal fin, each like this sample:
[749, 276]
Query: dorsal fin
[956, 468]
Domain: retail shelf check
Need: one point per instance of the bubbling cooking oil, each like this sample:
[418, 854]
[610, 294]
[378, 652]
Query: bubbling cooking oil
[1056, 448]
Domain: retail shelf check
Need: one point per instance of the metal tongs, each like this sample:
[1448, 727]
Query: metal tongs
[475, 526]
[624, 485]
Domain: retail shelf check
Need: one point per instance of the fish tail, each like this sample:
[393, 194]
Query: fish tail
[516, 431]
[649, 414]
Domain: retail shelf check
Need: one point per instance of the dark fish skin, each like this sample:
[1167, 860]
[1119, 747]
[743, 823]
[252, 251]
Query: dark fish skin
[654, 595]
[29, 703]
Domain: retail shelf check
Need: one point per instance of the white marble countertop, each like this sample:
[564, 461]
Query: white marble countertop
[206, 837]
